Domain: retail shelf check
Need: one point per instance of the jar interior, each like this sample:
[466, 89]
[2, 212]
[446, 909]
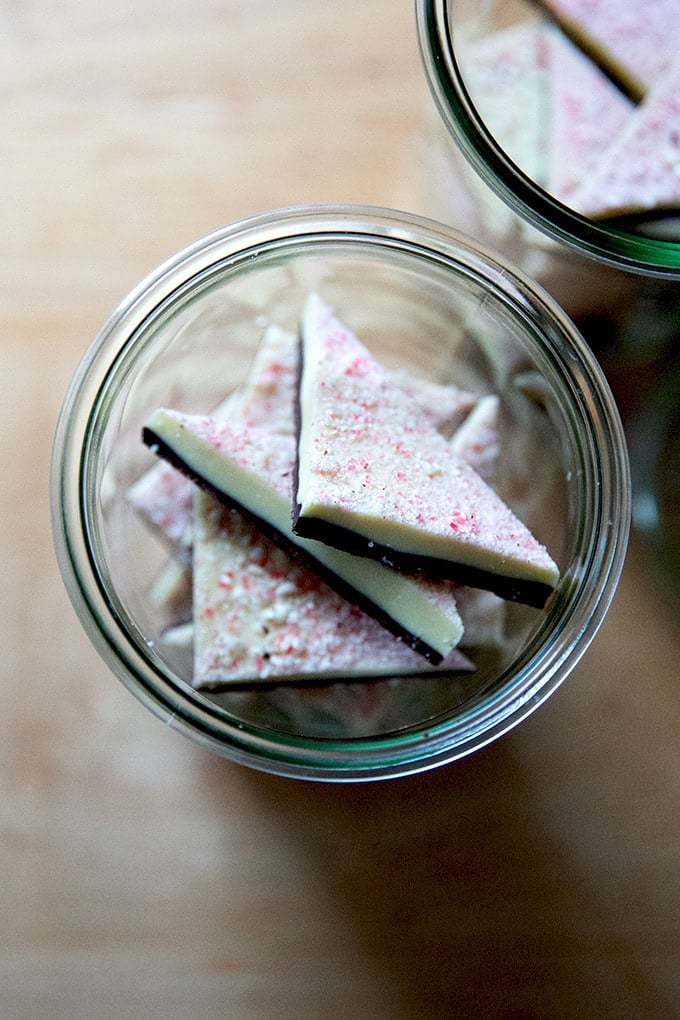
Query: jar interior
[564, 120]
[415, 314]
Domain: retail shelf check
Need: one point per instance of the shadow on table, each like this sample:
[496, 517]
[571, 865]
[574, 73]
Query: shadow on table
[457, 897]
[534, 880]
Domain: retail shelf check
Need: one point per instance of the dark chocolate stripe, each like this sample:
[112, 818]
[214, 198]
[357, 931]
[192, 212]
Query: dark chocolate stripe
[531, 593]
[596, 54]
[165, 450]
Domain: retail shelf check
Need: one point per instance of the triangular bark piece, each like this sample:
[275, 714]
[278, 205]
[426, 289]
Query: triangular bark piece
[374, 480]
[164, 496]
[640, 170]
[262, 617]
[587, 113]
[252, 469]
[633, 42]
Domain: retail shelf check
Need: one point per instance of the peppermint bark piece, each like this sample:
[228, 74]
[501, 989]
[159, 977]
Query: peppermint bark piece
[640, 170]
[252, 469]
[633, 42]
[507, 73]
[164, 496]
[476, 440]
[262, 617]
[587, 113]
[374, 480]
[549, 106]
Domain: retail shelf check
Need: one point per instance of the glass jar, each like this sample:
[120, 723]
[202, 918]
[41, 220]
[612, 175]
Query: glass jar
[523, 115]
[428, 303]
[497, 108]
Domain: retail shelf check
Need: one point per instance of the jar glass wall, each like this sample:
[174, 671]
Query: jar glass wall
[428, 303]
[532, 112]
[532, 126]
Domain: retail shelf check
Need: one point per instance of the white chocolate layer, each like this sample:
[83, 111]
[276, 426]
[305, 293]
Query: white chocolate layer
[163, 495]
[261, 616]
[640, 170]
[254, 468]
[637, 41]
[368, 465]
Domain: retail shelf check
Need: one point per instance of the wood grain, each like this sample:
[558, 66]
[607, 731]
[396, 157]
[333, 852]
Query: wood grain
[141, 877]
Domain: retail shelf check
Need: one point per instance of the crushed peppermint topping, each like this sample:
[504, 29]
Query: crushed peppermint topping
[259, 612]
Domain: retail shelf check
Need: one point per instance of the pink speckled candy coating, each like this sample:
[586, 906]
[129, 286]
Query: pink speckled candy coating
[444, 406]
[588, 113]
[259, 614]
[163, 495]
[641, 169]
[369, 463]
[641, 36]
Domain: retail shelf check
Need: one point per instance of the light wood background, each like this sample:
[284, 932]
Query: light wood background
[141, 877]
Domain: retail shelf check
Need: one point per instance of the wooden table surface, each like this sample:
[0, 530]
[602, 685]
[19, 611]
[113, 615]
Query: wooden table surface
[141, 877]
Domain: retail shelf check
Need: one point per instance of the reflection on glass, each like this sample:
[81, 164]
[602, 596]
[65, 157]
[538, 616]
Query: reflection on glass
[556, 139]
[584, 96]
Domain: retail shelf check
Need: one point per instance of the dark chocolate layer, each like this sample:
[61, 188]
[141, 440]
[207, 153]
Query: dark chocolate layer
[597, 54]
[531, 593]
[163, 449]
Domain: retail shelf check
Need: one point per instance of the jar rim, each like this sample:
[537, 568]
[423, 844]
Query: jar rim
[601, 241]
[86, 406]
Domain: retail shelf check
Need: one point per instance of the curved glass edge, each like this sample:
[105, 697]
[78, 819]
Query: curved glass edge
[335, 761]
[645, 256]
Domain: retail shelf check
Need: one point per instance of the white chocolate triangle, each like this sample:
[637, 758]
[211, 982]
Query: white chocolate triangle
[372, 473]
